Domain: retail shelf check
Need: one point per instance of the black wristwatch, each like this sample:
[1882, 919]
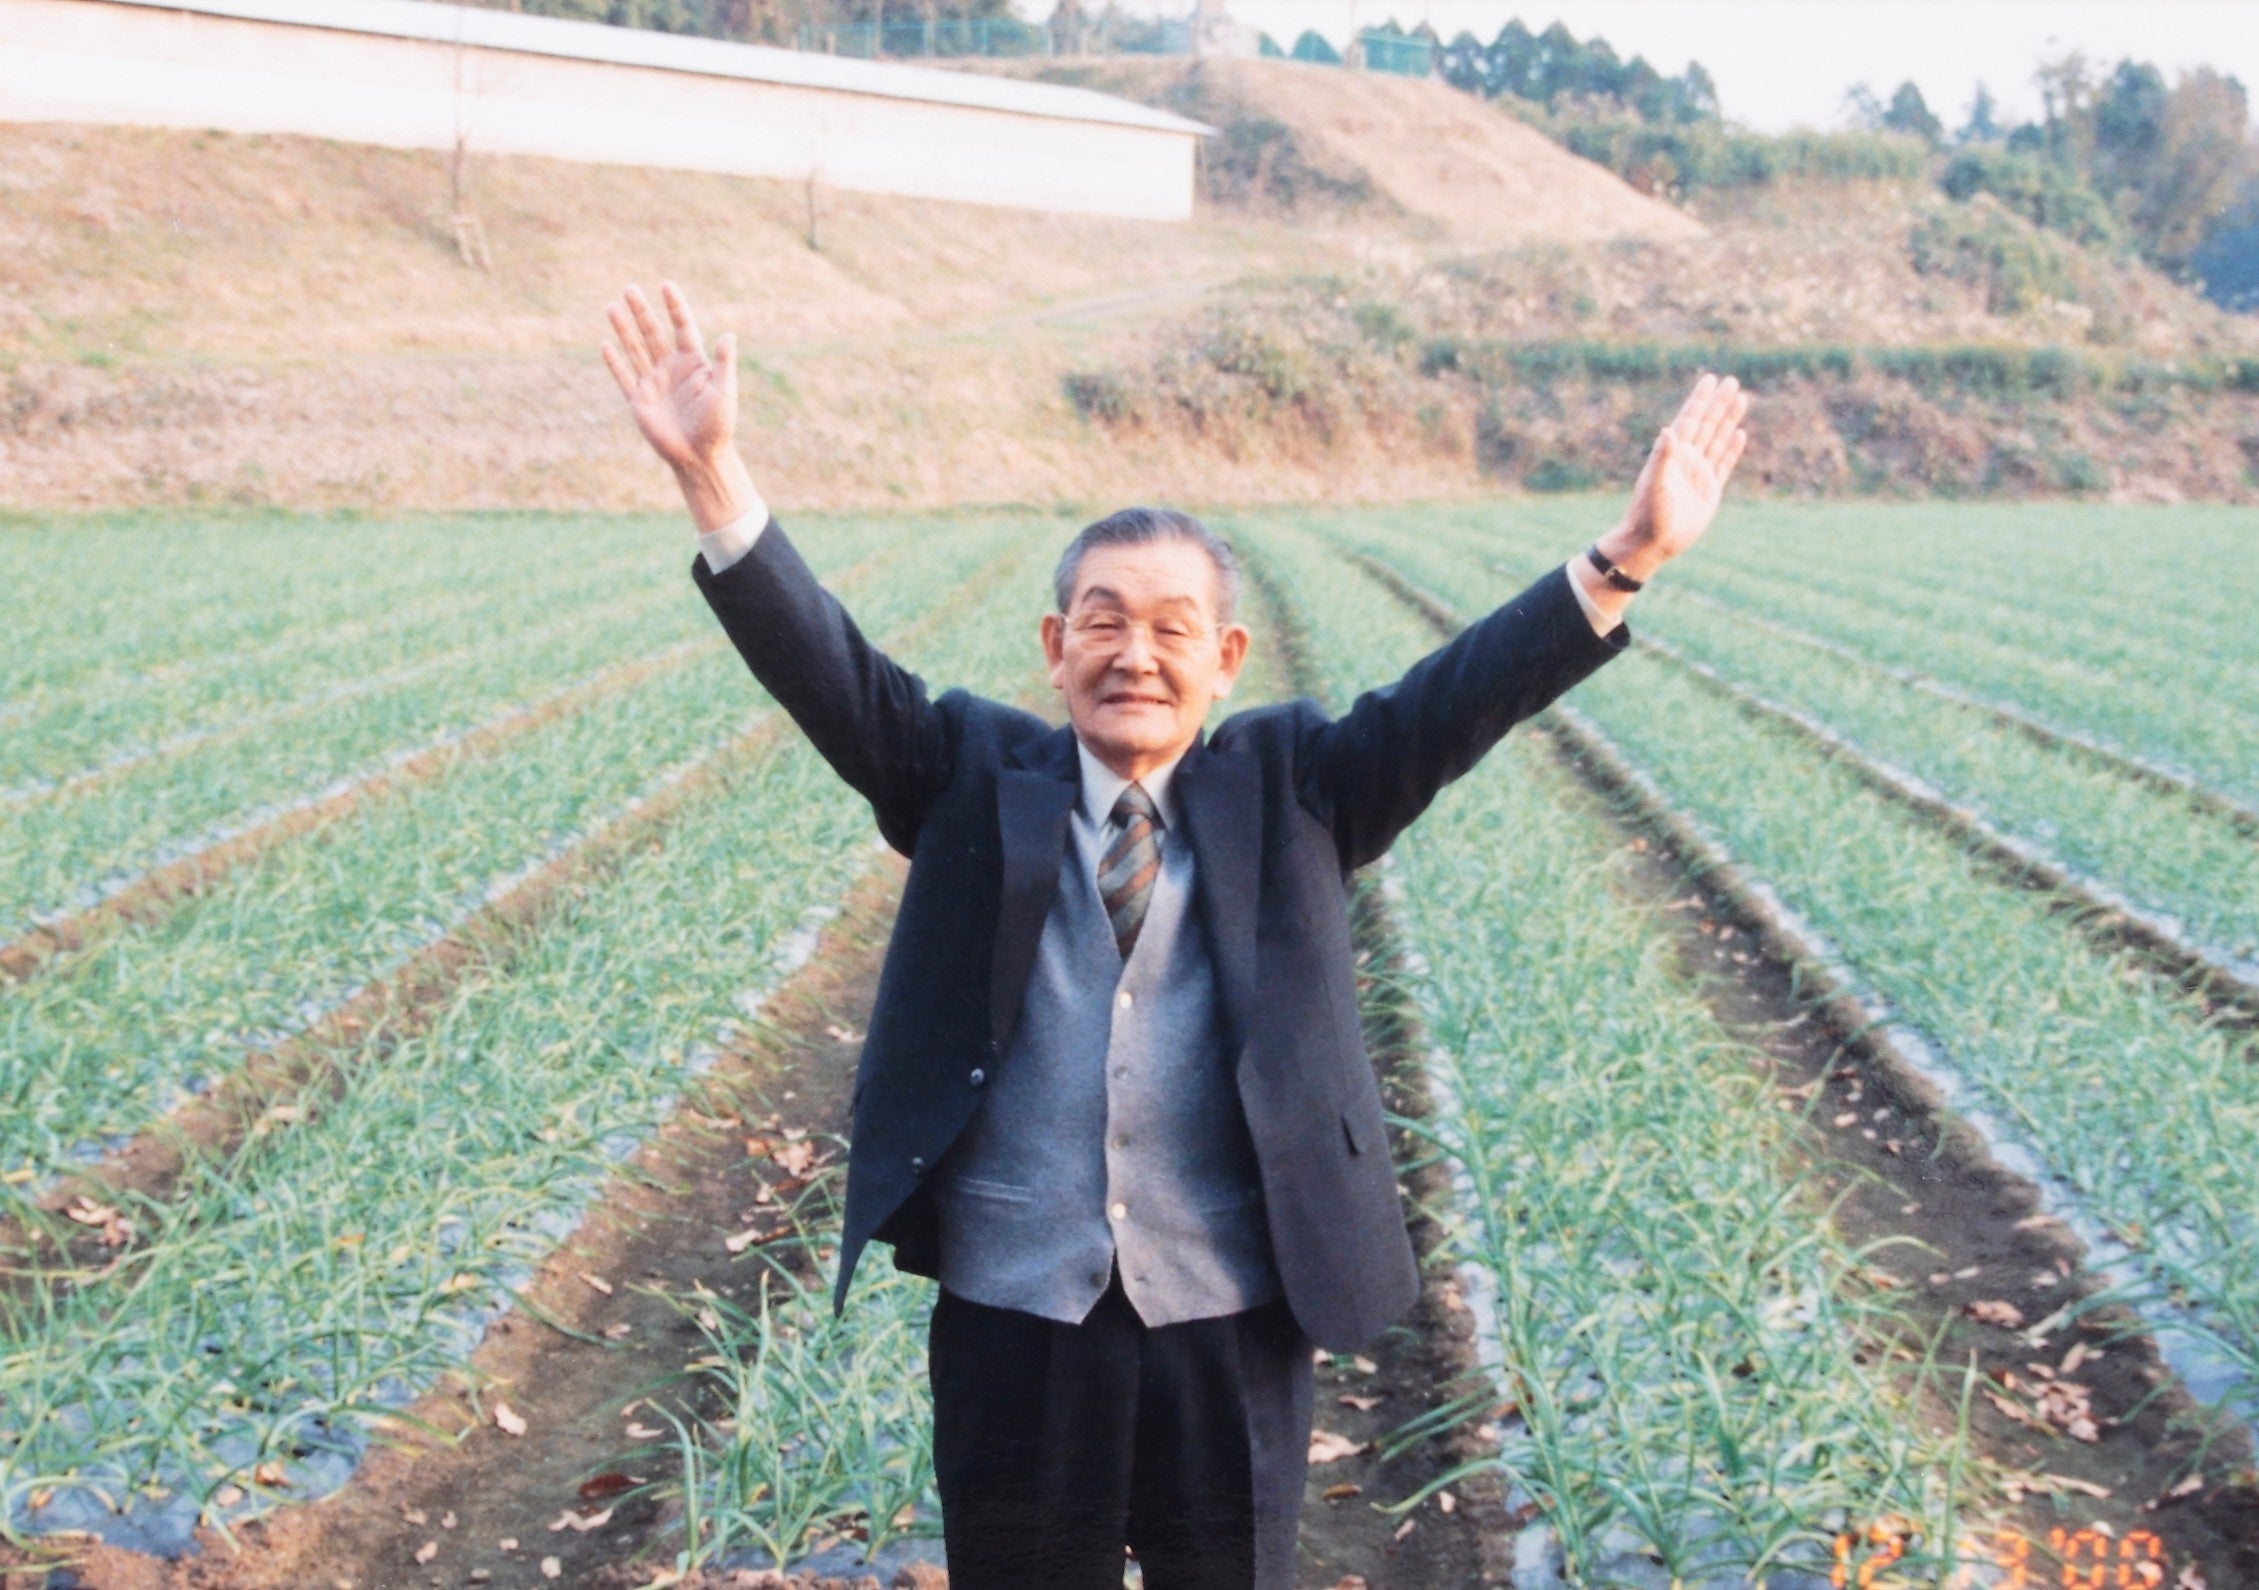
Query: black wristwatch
[1609, 572]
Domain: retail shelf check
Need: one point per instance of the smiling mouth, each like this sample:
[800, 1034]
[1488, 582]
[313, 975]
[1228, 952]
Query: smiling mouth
[1124, 698]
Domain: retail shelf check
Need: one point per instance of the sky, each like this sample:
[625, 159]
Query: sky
[1785, 63]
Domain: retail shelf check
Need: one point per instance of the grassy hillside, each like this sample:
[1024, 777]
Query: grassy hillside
[209, 317]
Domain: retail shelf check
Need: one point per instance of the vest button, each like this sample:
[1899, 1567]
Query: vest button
[978, 1077]
[1127, 999]
[1119, 1210]
[917, 1164]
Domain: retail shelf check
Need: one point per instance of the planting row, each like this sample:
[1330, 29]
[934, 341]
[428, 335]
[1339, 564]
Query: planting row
[2150, 1112]
[2129, 625]
[2177, 859]
[69, 734]
[106, 1041]
[67, 842]
[353, 1247]
[1677, 1329]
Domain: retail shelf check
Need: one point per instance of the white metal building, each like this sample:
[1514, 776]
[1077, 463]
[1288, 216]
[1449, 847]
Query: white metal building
[423, 75]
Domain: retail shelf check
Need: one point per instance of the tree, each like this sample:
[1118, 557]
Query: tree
[1910, 113]
[1860, 106]
[2129, 125]
[1464, 64]
[2203, 156]
[1983, 123]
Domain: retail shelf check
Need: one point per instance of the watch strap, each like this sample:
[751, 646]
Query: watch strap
[1609, 572]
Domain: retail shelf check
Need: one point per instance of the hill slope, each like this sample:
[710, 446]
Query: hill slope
[201, 317]
[1446, 162]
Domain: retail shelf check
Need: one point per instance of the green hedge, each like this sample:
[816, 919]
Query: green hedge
[1992, 370]
[1708, 155]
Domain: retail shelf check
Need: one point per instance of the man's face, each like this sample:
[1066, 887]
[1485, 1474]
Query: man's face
[1139, 654]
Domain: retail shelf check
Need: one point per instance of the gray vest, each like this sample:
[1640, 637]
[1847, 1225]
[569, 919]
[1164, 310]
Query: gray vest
[1113, 1126]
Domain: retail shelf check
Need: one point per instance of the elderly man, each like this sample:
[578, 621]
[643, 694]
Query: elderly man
[1115, 1096]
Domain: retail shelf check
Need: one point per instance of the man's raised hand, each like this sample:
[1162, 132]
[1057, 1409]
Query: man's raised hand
[684, 402]
[1684, 478]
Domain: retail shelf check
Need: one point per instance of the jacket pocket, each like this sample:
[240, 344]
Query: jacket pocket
[1001, 1191]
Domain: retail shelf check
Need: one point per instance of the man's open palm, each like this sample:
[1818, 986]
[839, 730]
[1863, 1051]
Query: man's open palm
[684, 402]
[1685, 475]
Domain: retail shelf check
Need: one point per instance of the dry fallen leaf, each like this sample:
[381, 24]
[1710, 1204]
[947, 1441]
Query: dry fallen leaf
[428, 1550]
[580, 1523]
[605, 1486]
[1364, 1365]
[1404, 1529]
[446, 1520]
[597, 1283]
[507, 1419]
[2012, 1410]
[1446, 1501]
[794, 1159]
[1327, 1447]
[1995, 1311]
[271, 1474]
[1350, 1399]
[1343, 1491]
[551, 1568]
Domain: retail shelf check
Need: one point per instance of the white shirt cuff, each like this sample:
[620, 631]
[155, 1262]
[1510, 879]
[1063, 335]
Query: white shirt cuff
[1600, 622]
[725, 544]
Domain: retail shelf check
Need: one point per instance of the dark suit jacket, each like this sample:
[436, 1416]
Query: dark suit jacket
[1280, 805]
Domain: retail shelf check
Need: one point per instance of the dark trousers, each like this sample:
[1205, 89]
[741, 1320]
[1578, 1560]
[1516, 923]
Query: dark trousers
[1055, 1446]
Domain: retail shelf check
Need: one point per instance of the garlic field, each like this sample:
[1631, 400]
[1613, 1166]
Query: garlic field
[1832, 1027]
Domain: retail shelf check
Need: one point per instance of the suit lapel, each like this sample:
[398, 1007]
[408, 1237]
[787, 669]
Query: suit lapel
[1221, 799]
[1032, 803]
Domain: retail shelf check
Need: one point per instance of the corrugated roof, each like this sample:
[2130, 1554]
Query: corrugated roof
[673, 52]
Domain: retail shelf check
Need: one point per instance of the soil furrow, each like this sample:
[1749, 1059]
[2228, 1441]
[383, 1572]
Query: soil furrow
[1928, 1194]
[2126, 764]
[2212, 974]
[154, 894]
[1426, 1360]
[51, 1245]
[2224, 986]
[595, 1345]
[124, 760]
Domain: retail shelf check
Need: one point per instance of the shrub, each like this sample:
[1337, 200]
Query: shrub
[1663, 159]
[1102, 396]
[1981, 243]
[1257, 160]
[1560, 474]
[2044, 192]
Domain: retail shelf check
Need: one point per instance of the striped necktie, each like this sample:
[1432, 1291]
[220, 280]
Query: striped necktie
[1127, 871]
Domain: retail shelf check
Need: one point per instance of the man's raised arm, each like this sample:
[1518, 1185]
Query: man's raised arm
[1374, 769]
[868, 716]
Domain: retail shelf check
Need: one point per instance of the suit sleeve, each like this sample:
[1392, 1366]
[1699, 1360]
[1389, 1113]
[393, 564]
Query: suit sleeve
[867, 715]
[1371, 771]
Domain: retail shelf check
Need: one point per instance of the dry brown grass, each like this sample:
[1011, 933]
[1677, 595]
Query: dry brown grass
[208, 317]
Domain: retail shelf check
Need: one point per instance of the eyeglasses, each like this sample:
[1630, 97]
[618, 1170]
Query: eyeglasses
[1171, 637]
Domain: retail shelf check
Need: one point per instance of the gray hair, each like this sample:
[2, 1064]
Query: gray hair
[1138, 526]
